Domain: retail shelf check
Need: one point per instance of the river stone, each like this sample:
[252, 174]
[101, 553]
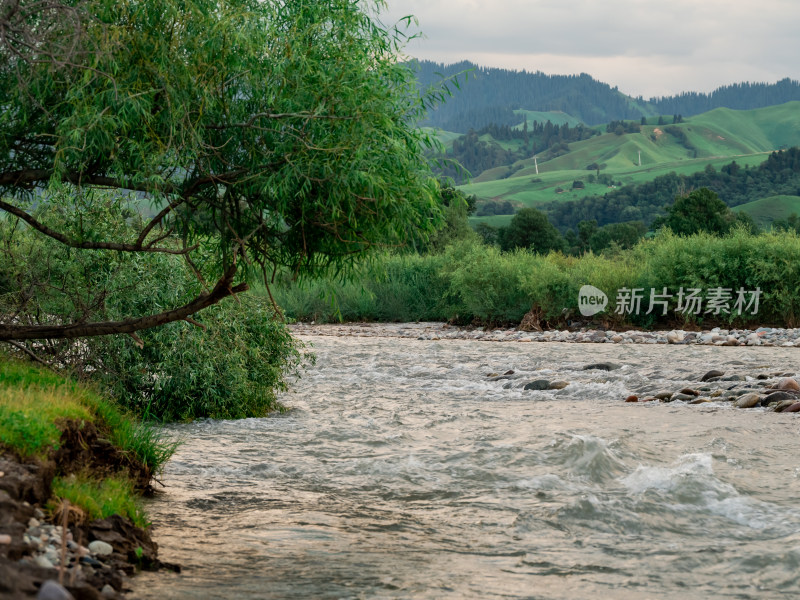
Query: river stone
[509, 372]
[673, 337]
[604, 366]
[711, 374]
[793, 408]
[748, 401]
[539, 384]
[663, 395]
[690, 392]
[558, 385]
[788, 383]
[632, 398]
[43, 562]
[778, 397]
[734, 378]
[682, 397]
[100, 548]
[782, 405]
[51, 590]
[699, 401]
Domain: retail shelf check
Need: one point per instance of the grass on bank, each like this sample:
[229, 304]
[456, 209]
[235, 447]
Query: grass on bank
[98, 499]
[35, 403]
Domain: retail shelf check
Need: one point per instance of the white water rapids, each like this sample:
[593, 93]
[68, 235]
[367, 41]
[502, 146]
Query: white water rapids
[402, 472]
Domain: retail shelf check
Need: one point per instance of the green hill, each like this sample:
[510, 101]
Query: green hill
[768, 210]
[714, 138]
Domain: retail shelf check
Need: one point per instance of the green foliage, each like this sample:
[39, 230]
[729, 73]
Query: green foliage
[457, 208]
[530, 229]
[700, 210]
[791, 223]
[488, 282]
[488, 234]
[232, 369]
[739, 260]
[405, 287]
[278, 134]
[99, 498]
[619, 235]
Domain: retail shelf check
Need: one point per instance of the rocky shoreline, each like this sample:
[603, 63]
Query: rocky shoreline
[763, 336]
[39, 557]
[774, 391]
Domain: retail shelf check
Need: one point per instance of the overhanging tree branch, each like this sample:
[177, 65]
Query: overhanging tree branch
[86, 245]
[222, 289]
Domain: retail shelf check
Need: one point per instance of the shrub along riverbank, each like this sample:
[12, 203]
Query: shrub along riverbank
[472, 282]
[69, 455]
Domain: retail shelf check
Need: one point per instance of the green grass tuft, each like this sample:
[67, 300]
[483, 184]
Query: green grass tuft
[99, 499]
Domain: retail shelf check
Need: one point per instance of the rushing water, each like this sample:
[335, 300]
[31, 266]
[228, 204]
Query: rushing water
[402, 472]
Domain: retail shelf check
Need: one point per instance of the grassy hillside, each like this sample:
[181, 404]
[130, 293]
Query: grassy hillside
[532, 189]
[768, 210]
[714, 138]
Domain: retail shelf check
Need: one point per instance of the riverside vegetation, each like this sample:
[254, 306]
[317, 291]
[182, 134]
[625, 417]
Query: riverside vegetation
[471, 282]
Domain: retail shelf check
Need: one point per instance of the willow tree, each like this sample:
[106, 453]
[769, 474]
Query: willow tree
[255, 135]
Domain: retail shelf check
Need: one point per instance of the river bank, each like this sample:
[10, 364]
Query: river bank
[72, 468]
[764, 336]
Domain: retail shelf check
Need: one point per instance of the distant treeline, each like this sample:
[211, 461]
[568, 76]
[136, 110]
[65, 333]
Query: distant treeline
[489, 95]
[735, 185]
[738, 96]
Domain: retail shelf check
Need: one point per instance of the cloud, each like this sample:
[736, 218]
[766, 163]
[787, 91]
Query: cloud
[647, 47]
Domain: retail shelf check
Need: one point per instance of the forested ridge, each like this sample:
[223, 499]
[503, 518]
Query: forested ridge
[490, 95]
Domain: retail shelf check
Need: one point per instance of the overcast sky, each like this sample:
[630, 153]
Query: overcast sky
[647, 47]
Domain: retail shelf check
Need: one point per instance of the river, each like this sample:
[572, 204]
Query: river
[402, 471]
